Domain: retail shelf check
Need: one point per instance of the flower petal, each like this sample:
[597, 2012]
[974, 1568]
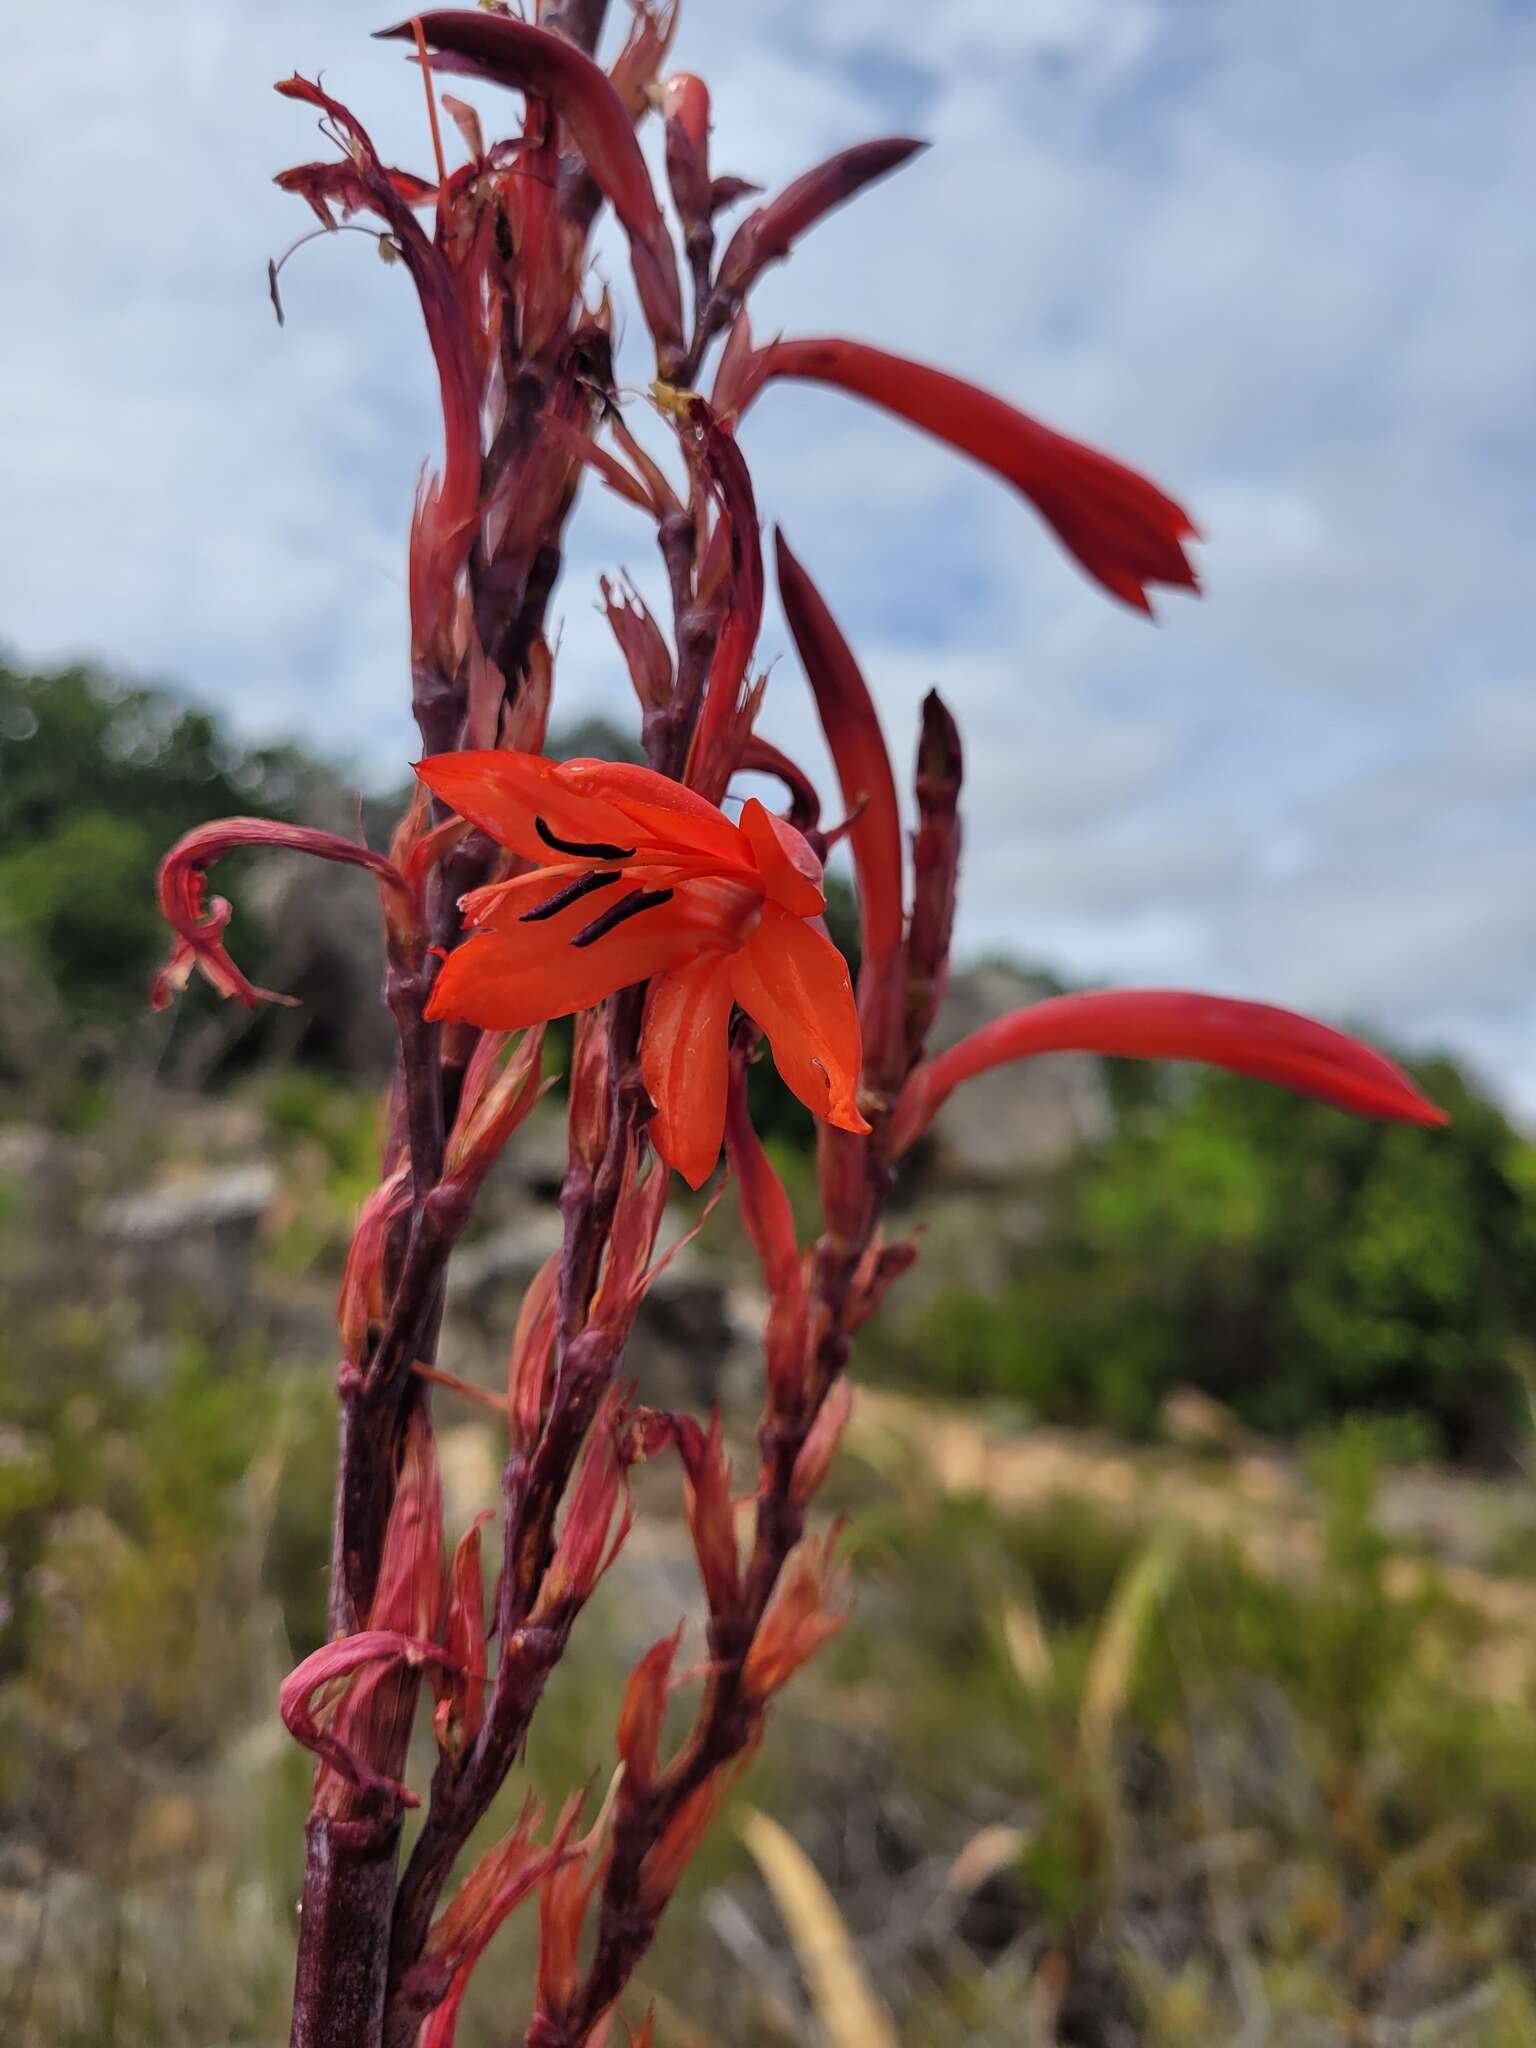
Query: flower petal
[791, 872]
[533, 972]
[505, 793]
[793, 982]
[1170, 1024]
[683, 1058]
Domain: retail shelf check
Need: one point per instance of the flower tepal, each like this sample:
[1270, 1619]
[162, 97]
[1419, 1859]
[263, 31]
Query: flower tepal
[640, 879]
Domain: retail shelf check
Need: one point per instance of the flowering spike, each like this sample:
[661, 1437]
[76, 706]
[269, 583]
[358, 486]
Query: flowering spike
[531, 60]
[1123, 529]
[769, 232]
[1171, 1024]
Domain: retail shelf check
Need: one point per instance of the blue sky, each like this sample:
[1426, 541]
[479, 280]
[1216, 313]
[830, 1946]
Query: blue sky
[1281, 257]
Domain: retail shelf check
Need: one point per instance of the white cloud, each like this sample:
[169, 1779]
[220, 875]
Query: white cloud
[1279, 256]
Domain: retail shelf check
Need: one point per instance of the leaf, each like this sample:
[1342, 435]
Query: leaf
[850, 2013]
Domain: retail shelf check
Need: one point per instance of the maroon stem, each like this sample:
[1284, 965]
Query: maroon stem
[349, 1884]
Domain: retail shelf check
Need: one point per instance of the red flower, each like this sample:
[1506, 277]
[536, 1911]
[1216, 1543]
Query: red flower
[652, 883]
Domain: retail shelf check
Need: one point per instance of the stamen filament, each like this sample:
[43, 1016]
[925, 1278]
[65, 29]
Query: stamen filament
[619, 913]
[571, 893]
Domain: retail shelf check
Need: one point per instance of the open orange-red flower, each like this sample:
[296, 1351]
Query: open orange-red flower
[640, 879]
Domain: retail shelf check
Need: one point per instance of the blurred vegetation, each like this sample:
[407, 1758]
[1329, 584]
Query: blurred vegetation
[1297, 1264]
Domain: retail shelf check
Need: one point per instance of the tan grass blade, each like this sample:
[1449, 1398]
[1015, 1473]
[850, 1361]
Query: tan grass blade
[850, 2014]
[1025, 1640]
[1117, 1651]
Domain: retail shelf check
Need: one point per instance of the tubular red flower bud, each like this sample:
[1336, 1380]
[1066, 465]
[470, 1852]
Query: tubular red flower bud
[769, 232]
[800, 1617]
[711, 1514]
[1171, 1024]
[685, 111]
[770, 1223]
[936, 867]
[1125, 531]
[531, 60]
[726, 716]
[741, 372]
[641, 1717]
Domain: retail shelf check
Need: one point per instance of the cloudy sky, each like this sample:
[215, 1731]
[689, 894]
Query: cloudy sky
[1280, 256]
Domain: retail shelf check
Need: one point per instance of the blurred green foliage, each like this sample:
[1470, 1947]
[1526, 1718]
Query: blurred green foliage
[1297, 1264]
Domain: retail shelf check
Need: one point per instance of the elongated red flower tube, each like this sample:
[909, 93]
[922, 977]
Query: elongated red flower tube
[1171, 1024]
[1123, 529]
[531, 60]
